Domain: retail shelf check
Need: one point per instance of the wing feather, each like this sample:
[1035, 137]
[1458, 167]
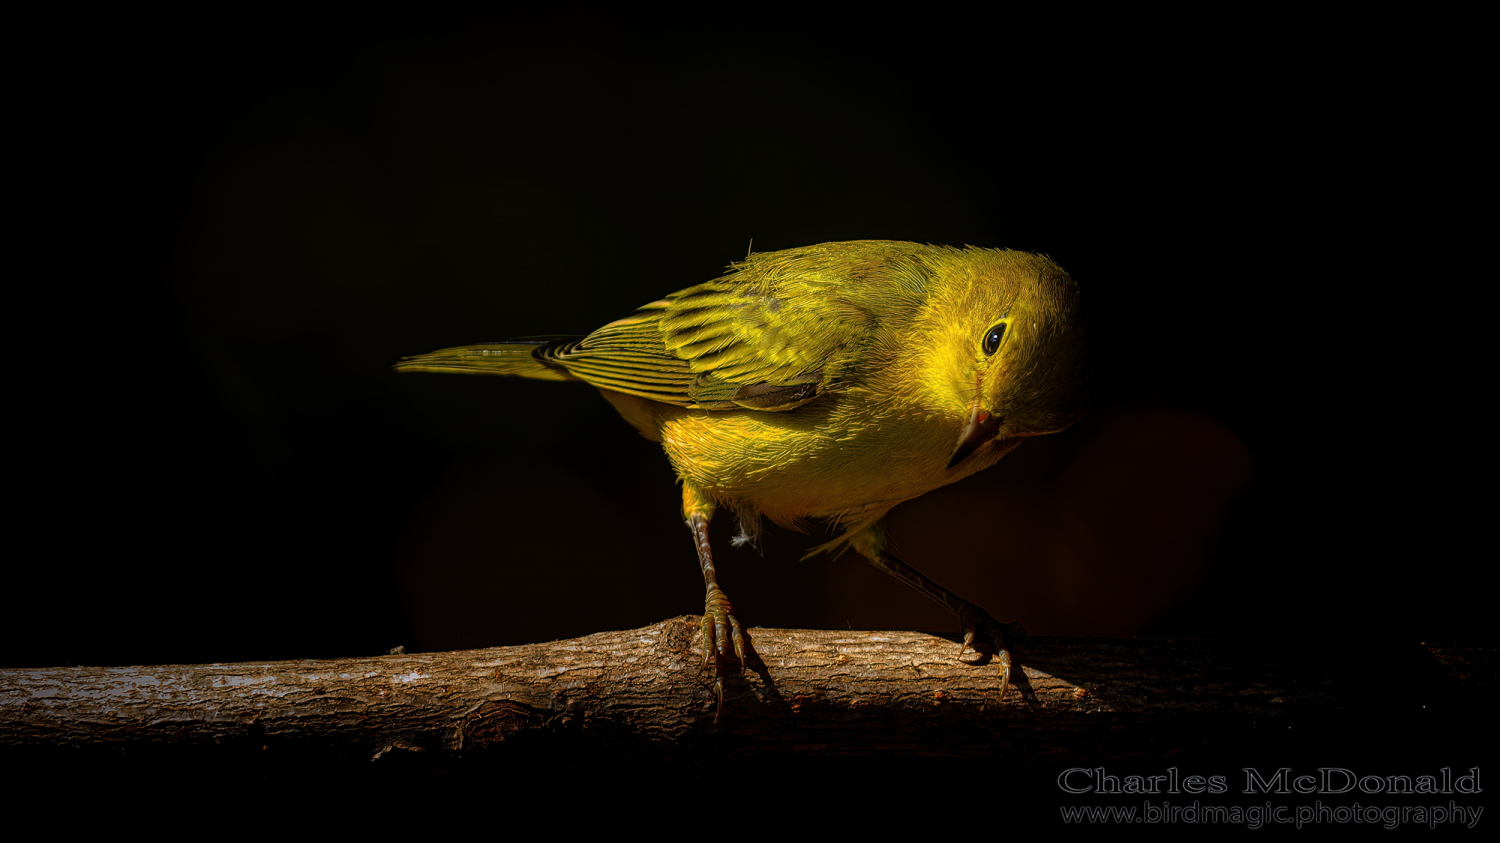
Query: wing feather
[775, 332]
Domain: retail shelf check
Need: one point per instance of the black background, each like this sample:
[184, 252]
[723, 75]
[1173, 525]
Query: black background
[235, 227]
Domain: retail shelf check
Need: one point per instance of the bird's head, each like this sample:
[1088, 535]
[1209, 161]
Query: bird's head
[1007, 339]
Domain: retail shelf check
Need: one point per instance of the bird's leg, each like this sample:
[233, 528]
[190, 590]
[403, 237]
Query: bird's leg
[720, 629]
[871, 543]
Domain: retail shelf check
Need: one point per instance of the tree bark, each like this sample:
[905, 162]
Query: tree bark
[647, 691]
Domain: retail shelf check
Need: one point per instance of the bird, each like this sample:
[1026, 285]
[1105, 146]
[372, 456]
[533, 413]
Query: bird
[826, 385]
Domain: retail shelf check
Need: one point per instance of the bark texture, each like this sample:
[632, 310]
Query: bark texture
[646, 691]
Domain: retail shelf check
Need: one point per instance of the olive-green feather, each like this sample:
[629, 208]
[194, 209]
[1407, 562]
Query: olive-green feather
[524, 357]
[775, 332]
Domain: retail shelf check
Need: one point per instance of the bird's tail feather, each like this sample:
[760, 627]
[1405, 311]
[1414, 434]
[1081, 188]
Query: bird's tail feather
[525, 357]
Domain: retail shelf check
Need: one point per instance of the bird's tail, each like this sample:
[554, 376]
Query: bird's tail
[525, 357]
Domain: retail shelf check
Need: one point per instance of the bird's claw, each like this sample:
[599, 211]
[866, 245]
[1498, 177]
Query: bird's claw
[978, 623]
[721, 631]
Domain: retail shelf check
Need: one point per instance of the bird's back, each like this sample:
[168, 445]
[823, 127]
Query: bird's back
[775, 332]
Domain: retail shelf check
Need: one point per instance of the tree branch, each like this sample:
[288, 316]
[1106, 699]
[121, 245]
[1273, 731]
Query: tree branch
[646, 691]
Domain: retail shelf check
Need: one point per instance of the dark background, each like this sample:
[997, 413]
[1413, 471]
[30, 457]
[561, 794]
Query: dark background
[238, 225]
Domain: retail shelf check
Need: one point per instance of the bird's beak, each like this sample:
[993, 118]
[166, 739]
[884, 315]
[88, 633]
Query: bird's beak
[981, 428]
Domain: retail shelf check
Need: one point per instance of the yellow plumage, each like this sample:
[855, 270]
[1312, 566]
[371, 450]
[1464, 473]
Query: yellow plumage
[830, 383]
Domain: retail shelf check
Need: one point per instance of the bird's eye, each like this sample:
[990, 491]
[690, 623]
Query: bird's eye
[992, 340]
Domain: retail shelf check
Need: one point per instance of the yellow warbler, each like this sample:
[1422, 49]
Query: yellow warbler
[829, 383]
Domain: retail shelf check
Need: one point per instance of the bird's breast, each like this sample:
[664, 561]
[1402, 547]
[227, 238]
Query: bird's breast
[830, 459]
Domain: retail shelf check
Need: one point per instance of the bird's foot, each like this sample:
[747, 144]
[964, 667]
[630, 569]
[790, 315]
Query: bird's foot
[977, 624]
[720, 632]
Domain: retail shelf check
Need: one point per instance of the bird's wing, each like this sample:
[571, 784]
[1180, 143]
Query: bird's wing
[754, 339]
